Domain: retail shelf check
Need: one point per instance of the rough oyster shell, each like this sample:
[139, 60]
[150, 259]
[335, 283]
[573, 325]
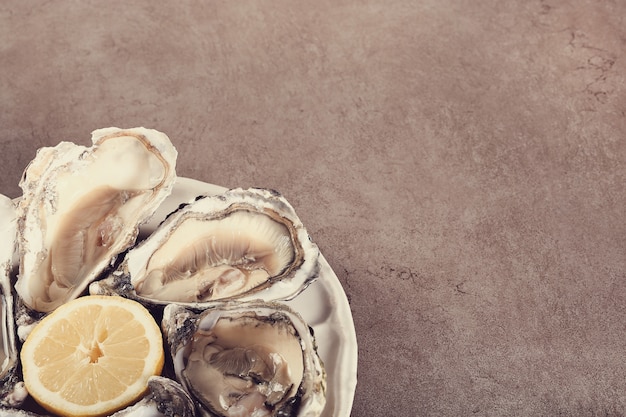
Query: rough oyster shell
[12, 391]
[243, 244]
[81, 207]
[166, 398]
[254, 358]
[16, 412]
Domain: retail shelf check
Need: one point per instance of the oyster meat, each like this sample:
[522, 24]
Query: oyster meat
[252, 359]
[12, 391]
[82, 206]
[243, 244]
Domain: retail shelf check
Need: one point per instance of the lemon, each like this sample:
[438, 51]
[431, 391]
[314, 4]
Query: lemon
[92, 356]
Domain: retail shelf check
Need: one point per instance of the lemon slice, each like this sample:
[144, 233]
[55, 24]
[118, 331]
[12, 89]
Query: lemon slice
[92, 356]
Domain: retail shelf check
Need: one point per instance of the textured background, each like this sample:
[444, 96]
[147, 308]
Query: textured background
[460, 163]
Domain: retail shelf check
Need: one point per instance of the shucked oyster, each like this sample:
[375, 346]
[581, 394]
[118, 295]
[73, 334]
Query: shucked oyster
[12, 391]
[250, 359]
[242, 244]
[82, 206]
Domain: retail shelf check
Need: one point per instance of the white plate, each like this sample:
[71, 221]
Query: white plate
[323, 305]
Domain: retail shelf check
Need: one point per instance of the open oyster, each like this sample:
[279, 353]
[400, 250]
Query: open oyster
[246, 359]
[12, 391]
[243, 244]
[166, 398]
[82, 206]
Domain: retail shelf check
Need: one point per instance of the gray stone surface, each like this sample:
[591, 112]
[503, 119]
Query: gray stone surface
[460, 163]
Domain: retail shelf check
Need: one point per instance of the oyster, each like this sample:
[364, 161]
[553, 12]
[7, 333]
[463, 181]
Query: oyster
[81, 207]
[243, 244]
[246, 359]
[166, 398]
[12, 391]
[16, 412]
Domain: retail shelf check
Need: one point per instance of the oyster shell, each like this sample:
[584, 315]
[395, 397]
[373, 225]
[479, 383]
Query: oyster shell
[81, 207]
[12, 391]
[246, 359]
[166, 398]
[243, 244]
[16, 412]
